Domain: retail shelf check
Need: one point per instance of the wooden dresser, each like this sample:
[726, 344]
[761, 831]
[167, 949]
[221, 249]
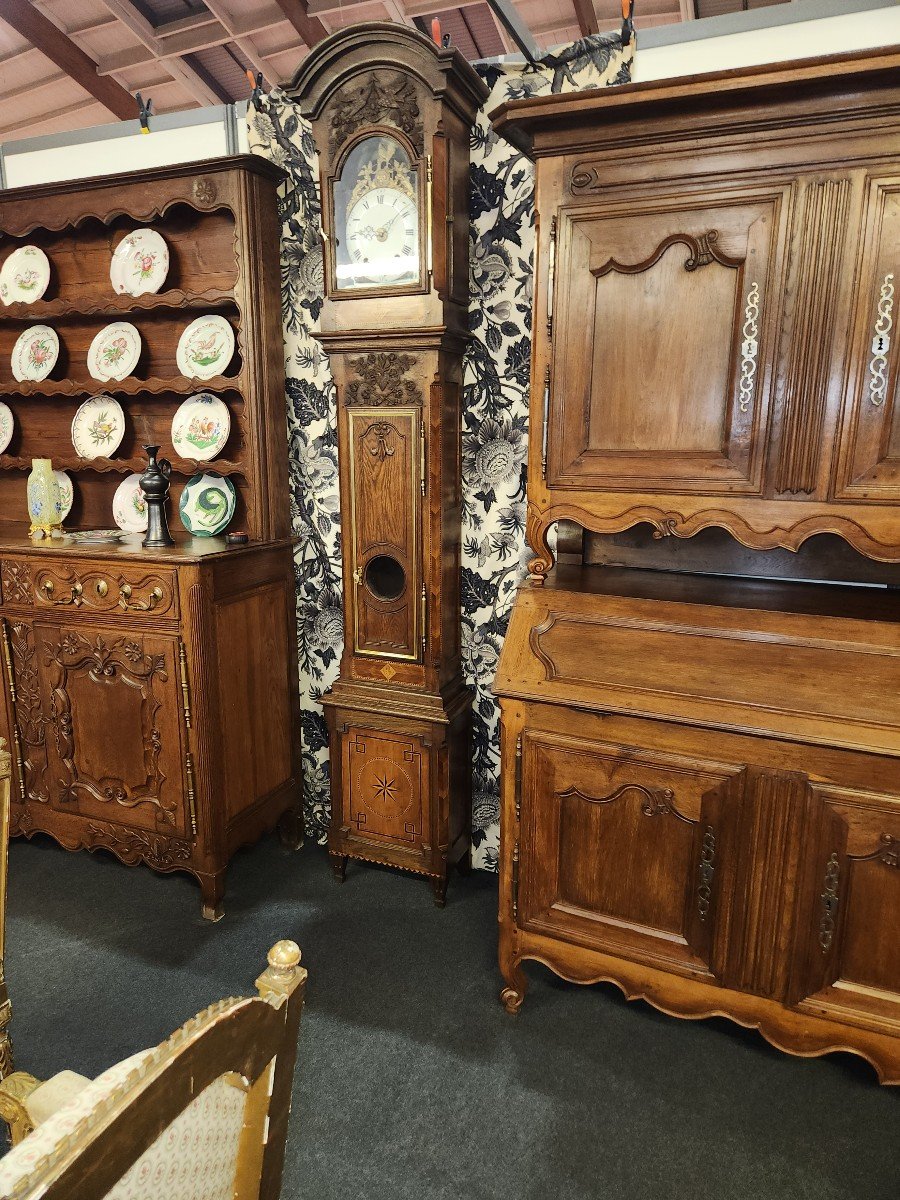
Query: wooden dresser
[150, 697]
[701, 772]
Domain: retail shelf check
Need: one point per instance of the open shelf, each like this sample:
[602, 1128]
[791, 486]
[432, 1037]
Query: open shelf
[51, 388]
[40, 311]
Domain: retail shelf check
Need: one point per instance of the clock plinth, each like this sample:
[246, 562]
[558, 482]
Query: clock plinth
[391, 114]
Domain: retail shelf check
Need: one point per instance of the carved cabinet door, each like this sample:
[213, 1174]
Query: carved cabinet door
[629, 851]
[663, 341]
[113, 716]
[869, 466]
[847, 938]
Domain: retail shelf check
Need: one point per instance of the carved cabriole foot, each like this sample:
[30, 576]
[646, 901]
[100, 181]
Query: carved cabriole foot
[338, 866]
[212, 889]
[517, 985]
[14, 1091]
[439, 886]
[290, 829]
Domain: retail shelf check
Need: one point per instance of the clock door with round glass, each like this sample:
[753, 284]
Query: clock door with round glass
[376, 199]
[391, 115]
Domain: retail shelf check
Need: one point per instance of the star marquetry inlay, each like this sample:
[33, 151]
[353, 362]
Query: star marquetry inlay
[384, 788]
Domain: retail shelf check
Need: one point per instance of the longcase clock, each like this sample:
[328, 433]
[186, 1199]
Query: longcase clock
[391, 115]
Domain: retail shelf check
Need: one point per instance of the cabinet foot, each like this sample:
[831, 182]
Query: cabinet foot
[290, 829]
[514, 993]
[212, 892]
[338, 866]
[439, 886]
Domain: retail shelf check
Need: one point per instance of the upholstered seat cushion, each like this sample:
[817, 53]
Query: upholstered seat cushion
[195, 1158]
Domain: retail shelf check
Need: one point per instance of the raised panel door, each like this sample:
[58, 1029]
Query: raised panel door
[663, 330]
[385, 778]
[385, 483]
[629, 851]
[869, 464]
[847, 949]
[112, 709]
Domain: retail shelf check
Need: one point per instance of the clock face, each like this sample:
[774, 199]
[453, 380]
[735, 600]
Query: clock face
[376, 217]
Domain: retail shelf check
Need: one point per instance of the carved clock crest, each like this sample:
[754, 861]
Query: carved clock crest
[391, 115]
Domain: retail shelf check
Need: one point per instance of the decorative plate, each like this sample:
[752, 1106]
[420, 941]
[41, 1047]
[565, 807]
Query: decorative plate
[95, 537]
[207, 504]
[66, 493]
[205, 348]
[35, 353]
[140, 263]
[24, 276]
[200, 427]
[129, 506]
[98, 427]
[7, 425]
[115, 351]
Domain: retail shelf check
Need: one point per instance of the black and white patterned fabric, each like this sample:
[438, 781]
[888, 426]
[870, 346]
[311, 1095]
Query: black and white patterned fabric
[495, 410]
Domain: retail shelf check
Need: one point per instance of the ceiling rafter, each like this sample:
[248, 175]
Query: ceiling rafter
[196, 82]
[308, 25]
[587, 17]
[46, 36]
[242, 42]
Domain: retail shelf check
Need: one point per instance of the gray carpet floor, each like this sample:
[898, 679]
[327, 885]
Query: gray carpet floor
[412, 1081]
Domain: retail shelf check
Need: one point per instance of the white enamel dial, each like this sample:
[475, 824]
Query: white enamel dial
[382, 238]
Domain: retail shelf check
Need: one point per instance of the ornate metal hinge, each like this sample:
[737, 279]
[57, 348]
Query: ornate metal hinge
[429, 245]
[518, 792]
[830, 901]
[551, 277]
[546, 426]
[423, 466]
[749, 349]
[515, 881]
[17, 739]
[185, 684]
[705, 872]
[881, 342]
[424, 619]
[191, 796]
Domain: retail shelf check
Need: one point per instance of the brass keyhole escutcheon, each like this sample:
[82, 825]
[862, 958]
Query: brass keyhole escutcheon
[102, 588]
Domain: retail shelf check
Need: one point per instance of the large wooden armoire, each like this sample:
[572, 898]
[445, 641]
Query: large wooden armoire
[701, 737]
[391, 114]
[150, 697]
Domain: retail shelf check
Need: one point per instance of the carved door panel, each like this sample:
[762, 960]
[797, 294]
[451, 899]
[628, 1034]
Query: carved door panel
[385, 471]
[113, 713]
[629, 851]
[870, 448]
[385, 778]
[847, 948]
[663, 341]
[28, 734]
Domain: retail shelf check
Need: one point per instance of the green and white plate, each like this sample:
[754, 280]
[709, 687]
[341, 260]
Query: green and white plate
[207, 504]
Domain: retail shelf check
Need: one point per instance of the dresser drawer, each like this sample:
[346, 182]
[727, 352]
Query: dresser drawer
[102, 587]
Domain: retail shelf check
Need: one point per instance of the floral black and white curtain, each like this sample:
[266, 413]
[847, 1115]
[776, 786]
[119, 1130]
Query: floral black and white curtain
[495, 409]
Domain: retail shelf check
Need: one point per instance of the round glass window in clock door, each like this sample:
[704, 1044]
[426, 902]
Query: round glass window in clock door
[376, 217]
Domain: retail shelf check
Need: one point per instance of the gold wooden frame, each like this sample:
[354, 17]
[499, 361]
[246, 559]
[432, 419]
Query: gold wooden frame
[251, 1041]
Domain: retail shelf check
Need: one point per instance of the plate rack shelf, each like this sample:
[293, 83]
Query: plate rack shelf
[203, 211]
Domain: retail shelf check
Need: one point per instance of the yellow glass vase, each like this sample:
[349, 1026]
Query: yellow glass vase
[44, 501]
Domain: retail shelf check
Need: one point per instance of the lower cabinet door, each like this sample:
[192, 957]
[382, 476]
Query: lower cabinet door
[847, 946]
[385, 782]
[628, 851]
[113, 710]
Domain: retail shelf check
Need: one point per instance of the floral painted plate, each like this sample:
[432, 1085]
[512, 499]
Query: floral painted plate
[115, 351]
[205, 348]
[129, 506]
[7, 425]
[200, 427]
[35, 353]
[98, 427]
[24, 276]
[207, 504]
[66, 493]
[140, 263]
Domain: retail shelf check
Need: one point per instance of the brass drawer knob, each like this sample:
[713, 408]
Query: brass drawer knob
[102, 588]
[47, 587]
[155, 596]
[125, 593]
